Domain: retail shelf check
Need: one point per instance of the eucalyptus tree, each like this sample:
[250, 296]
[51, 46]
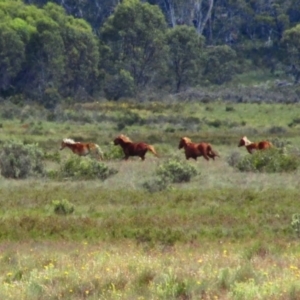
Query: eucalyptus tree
[134, 37]
[94, 12]
[291, 46]
[12, 54]
[186, 49]
[45, 65]
[81, 50]
[195, 13]
[220, 64]
[46, 54]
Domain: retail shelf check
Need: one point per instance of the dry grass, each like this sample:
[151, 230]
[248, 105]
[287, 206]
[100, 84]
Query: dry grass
[51, 270]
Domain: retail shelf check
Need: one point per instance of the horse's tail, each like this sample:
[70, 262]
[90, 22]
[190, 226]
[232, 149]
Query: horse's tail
[99, 151]
[151, 148]
[211, 151]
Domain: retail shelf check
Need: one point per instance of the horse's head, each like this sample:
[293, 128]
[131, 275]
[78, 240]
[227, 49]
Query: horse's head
[244, 142]
[66, 142]
[122, 139]
[183, 142]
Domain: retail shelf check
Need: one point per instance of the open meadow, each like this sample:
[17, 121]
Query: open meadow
[219, 231]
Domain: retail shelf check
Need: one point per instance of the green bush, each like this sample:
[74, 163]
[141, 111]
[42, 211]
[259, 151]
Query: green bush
[85, 168]
[269, 161]
[156, 185]
[63, 207]
[113, 152]
[129, 118]
[233, 159]
[21, 161]
[176, 171]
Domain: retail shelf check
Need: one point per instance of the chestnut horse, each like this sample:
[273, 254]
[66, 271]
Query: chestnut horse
[254, 146]
[133, 149]
[82, 149]
[193, 150]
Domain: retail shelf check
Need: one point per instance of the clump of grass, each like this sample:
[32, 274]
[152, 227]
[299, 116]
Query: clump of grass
[257, 249]
[63, 207]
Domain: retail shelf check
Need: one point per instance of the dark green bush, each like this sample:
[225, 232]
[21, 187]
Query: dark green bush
[176, 171]
[277, 130]
[229, 108]
[21, 161]
[270, 161]
[85, 168]
[129, 118]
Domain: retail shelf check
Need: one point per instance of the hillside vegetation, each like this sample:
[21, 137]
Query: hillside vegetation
[55, 52]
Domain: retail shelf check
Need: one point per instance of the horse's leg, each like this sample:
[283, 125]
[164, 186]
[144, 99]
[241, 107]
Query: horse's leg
[211, 155]
[250, 150]
[205, 156]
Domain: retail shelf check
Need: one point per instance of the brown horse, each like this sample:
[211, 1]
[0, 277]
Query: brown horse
[133, 149]
[254, 146]
[82, 149]
[193, 150]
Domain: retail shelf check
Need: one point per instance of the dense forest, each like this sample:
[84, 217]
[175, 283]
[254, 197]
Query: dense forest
[77, 50]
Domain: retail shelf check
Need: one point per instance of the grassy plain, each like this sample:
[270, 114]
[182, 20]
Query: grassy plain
[223, 235]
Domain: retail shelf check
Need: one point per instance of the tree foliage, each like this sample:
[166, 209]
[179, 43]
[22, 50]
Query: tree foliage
[77, 49]
[135, 37]
[185, 50]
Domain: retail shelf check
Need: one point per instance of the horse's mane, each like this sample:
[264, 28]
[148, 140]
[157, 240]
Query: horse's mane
[186, 140]
[246, 140]
[69, 141]
[124, 138]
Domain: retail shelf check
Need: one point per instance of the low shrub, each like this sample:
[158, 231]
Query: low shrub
[113, 152]
[233, 159]
[21, 161]
[156, 185]
[129, 118]
[296, 223]
[85, 168]
[277, 130]
[175, 171]
[269, 161]
[280, 143]
[294, 122]
[63, 207]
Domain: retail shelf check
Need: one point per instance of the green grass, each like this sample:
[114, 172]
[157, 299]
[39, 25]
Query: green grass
[223, 235]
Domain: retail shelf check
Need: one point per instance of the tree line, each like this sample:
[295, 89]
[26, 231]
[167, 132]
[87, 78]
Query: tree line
[54, 50]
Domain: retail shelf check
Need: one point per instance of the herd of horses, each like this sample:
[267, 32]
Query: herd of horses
[130, 148]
